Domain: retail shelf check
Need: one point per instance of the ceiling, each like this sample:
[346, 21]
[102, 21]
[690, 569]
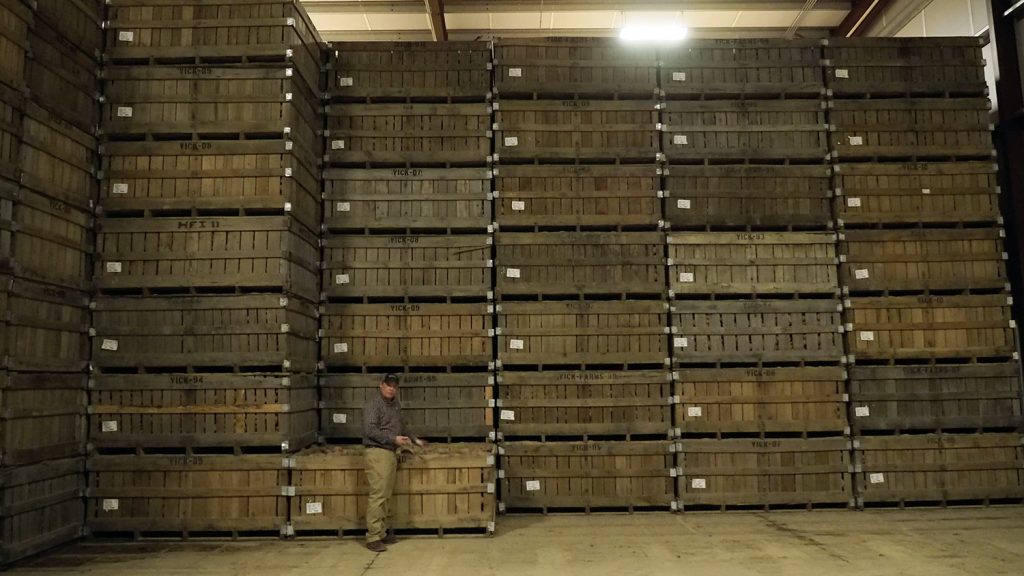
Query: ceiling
[415, 20]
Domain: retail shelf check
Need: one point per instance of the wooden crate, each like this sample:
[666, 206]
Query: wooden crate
[566, 130]
[922, 327]
[923, 259]
[566, 66]
[878, 194]
[939, 468]
[63, 79]
[12, 105]
[587, 476]
[216, 31]
[209, 177]
[754, 331]
[58, 159]
[409, 199]
[79, 22]
[407, 266]
[742, 67]
[588, 332]
[727, 401]
[753, 263]
[765, 473]
[428, 134]
[202, 410]
[42, 417]
[745, 129]
[52, 241]
[177, 494]
[251, 333]
[585, 403]
[434, 404]
[267, 253]
[15, 21]
[910, 128]
[900, 66]
[416, 70]
[582, 197]
[580, 262]
[748, 196]
[406, 335]
[936, 397]
[41, 507]
[48, 327]
[439, 487]
[212, 101]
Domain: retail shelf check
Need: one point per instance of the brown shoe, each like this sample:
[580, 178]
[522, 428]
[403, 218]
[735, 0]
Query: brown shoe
[390, 538]
[376, 546]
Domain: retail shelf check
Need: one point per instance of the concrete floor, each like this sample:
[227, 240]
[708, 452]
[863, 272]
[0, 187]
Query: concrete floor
[980, 541]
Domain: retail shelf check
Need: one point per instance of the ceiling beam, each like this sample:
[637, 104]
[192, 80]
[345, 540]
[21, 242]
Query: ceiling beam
[862, 14]
[438, 29]
[477, 6]
[471, 34]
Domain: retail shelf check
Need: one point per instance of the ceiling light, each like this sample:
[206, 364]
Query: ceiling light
[653, 34]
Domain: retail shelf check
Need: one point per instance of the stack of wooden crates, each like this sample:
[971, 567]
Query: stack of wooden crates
[407, 283]
[206, 274]
[48, 116]
[935, 377]
[584, 384]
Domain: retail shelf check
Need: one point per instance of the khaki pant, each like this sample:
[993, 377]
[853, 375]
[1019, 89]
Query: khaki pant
[380, 475]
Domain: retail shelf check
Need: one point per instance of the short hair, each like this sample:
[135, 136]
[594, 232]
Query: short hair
[390, 379]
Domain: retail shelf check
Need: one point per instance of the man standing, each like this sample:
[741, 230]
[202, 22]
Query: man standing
[383, 434]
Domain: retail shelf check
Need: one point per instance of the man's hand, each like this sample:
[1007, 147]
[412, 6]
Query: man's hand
[421, 442]
[402, 440]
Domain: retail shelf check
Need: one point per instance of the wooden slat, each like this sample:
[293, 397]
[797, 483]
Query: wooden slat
[883, 66]
[40, 507]
[41, 417]
[410, 70]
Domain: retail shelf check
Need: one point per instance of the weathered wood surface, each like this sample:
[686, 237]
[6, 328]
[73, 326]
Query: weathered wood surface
[42, 417]
[41, 507]
[416, 70]
[900, 66]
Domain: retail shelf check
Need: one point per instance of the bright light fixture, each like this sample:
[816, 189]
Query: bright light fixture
[653, 34]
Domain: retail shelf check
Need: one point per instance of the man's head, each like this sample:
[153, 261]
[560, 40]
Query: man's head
[389, 386]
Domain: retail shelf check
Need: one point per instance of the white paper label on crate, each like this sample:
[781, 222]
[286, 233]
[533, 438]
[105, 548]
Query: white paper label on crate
[680, 140]
[681, 342]
[679, 76]
[109, 426]
[861, 274]
[126, 36]
[342, 279]
[532, 485]
[683, 203]
[842, 73]
[699, 483]
[518, 205]
[339, 418]
[511, 141]
[686, 276]
[341, 348]
[515, 344]
[314, 507]
[337, 144]
[862, 411]
[344, 206]
[119, 188]
[856, 140]
[109, 345]
[110, 504]
[114, 267]
[344, 81]
[515, 72]
[853, 202]
[509, 415]
[876, 478]
[124, 112]
[926, 190]
[867, 336]
[512, 272]
[694, 411]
